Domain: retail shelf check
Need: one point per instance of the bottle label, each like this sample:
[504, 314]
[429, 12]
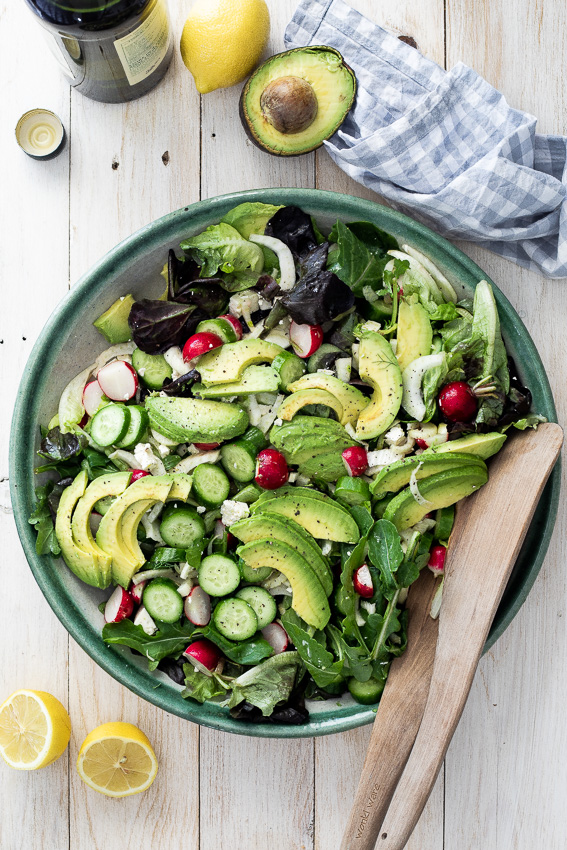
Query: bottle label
[141, 51]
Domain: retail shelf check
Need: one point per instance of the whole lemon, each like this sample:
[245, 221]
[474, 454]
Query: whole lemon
[222, 41]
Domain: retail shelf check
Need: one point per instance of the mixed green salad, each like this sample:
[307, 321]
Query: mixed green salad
[264, 459]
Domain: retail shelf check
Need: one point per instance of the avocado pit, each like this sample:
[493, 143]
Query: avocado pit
[289, 104]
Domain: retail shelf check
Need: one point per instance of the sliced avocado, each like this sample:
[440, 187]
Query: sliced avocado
[377, 365]
[129, 523]
[352, 400]
[254, 379]
[289, 490]
[274, 526]
[180, 487]
[322, 518]
[324, 465]
[228, 362]
[297, 99]
[196, 420]
[290, 405]
[113, 324]
[306, 436]
[481, 445]
[83, 564]
[308, 597]
[397, 475]
[105, 486]
[109, 534]
[414, 333]
[440, 491]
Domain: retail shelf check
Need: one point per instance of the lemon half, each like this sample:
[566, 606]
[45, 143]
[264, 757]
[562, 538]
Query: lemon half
[222, 41]
[117, 759]
[34, 729]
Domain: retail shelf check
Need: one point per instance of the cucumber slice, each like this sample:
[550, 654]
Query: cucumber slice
[219, 575]
[366, 693]
[235, 619]
[248, 494]
[110, 424]
[239, 458]
[210, 485]
[444, 519]
[153, 369]
[162, 600]
[138, 426]
[221, 327]
[289, 367]
[352, 491]
[262, 603]
[324, 357]
[181, 527]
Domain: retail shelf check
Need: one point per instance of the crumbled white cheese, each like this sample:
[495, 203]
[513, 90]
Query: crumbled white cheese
[144, 455]
[232, 511]
[163, 450]
[201, 509]
[395, 436]
[278, 422]
[144, 620]
[141, 372]
[326, 547]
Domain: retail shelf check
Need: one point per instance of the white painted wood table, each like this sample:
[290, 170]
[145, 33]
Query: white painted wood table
[504, 782]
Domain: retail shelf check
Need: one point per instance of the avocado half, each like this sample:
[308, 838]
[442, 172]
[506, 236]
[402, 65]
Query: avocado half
[297, 99]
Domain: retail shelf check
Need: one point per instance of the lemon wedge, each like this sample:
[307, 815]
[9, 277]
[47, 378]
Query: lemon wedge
[117, 759]
[34, 729]
[222, 41]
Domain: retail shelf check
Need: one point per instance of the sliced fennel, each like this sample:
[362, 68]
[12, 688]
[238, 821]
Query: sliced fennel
[439, 278]
[412, 377]
[284, 255]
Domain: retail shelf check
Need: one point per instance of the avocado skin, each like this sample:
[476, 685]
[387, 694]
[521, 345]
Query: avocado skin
[113, 323]
[481, 445]
[288, 58]
[397, 475]
[440, 490]
[309, 600]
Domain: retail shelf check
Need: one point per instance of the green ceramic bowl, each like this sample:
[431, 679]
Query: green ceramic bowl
[65, 347]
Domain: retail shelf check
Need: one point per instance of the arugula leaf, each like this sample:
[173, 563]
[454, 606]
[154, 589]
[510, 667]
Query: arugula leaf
[353, 557]
[318, 661]
[356, 660]
[249, 651]
[356, 262]
[96, 464]
[41, 517]
[362, 515]
[170, 639]
[385, 552]
[199, 686]
[267, 684]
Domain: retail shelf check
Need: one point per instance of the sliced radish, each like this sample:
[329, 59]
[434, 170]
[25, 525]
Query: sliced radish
[136, 591]
[305, 339]
[137, 474]
[206, 447]
[197, 607]
[118, 380]
[199, 344]
[234, 323]
[457, 402]
[271, 469]
[119, 606]
[276, 636]
[362, 582]
[421, 444]
[92, 397]
[436, 561]
[203, 655]
[355, 460]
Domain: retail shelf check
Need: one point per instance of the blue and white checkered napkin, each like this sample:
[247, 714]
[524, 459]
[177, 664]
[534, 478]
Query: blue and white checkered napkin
[444, 145]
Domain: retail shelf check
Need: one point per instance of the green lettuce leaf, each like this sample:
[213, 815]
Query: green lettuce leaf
[358, 262]
[267, 684]
[170, 639]
[222, 247]
[199, 686]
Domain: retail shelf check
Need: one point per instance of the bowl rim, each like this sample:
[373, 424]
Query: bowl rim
[157, 232]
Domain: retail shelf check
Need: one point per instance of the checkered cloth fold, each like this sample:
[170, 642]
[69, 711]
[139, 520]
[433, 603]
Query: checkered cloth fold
[443, 145]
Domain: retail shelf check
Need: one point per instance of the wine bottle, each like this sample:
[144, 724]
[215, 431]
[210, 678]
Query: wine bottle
[110, 50]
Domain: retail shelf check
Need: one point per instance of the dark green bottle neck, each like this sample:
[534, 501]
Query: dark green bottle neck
[86, 14]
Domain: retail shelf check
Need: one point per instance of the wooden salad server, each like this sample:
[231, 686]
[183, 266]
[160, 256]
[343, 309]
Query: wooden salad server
[397, 720]
[489, 530]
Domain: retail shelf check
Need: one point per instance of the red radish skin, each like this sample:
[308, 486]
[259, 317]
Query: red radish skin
[231, 541]
[305, 339]
[197, 606]
[203, 655]
[118, 380]
[436, 561]
[233, 321]
[276, 636]
[362, 582]
[271, 469]
[137, 474]
[199, 344]
[458, 402]
[119, 606]
[206, 447]
[421, 444]
[92, 397]
[355, 460]
[136, 592]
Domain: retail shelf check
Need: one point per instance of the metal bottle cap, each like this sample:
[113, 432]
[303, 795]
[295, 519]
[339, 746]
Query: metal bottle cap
[40, 134]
